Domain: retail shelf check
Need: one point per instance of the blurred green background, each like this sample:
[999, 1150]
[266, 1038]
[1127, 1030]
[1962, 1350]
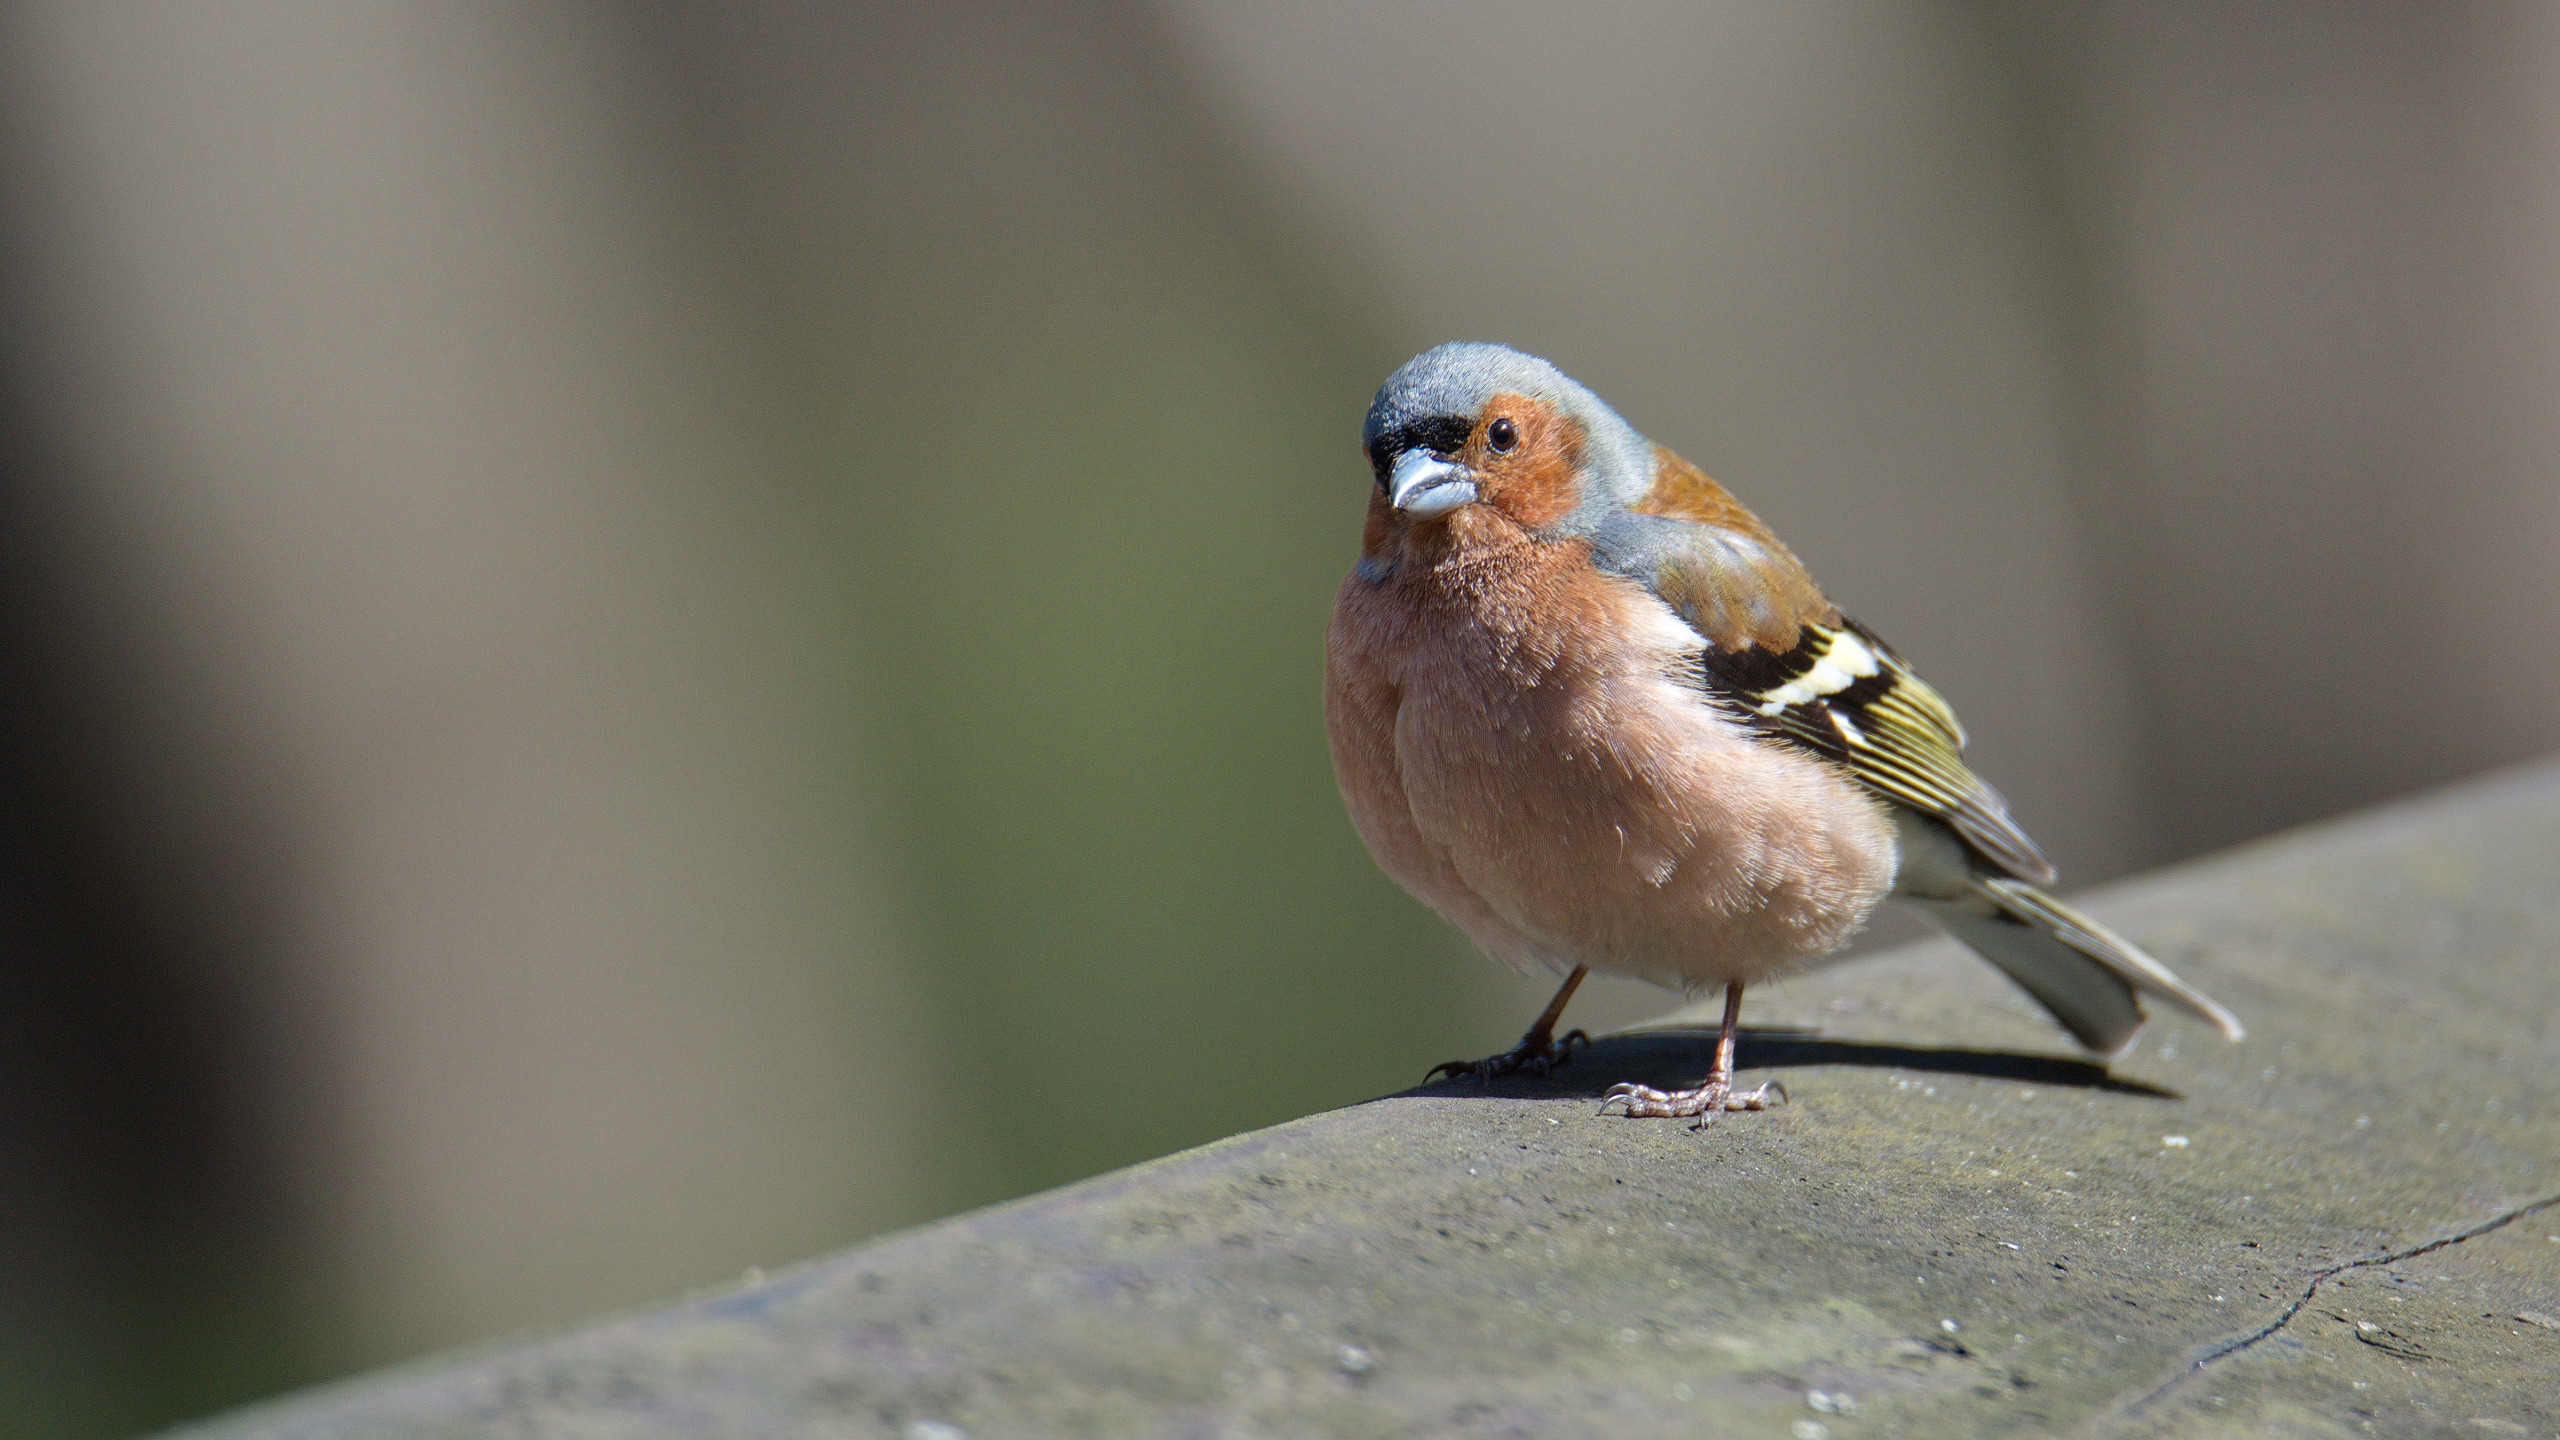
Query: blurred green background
[643, 640]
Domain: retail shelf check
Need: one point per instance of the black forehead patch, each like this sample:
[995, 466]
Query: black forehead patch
[1444, 433]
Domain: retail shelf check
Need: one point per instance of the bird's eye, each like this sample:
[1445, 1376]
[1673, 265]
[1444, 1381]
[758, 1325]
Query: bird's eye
[1503, 435]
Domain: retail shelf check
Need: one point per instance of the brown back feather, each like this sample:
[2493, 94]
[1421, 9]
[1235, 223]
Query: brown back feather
[1768, 627]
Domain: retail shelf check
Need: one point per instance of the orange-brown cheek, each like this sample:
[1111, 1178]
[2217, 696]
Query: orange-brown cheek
[1538, 495]
[1534, 486]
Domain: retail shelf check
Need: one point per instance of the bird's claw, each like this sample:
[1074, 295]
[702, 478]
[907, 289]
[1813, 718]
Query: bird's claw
[1538, 1054]
[1707, 1102]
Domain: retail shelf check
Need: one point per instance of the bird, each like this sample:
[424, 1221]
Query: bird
[1585, 705]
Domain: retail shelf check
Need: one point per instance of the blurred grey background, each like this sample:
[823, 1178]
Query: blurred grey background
[636, 641]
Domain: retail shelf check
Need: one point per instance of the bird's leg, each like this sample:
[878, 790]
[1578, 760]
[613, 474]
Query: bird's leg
[1537, 1051]
[1710, 1099]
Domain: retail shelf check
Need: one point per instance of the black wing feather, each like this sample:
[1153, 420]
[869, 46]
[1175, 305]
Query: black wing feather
[1868, 712]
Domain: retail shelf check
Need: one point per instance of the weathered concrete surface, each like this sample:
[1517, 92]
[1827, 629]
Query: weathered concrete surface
[1953, 1230]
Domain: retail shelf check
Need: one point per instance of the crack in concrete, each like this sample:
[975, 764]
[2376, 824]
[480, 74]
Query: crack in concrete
[2311, 1287]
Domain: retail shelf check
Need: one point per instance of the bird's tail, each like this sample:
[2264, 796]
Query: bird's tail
[2078, 969]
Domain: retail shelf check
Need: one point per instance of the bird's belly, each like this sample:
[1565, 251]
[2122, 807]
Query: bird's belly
[1620, 821]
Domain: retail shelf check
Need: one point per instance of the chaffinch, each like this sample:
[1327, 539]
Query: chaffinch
[1586, 706]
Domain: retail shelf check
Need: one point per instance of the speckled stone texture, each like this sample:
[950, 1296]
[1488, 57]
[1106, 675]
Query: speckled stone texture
[1955, 1229]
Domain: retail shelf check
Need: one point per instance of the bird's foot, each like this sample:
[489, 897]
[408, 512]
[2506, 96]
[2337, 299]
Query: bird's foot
[1706, 1102]
[1538, 1052]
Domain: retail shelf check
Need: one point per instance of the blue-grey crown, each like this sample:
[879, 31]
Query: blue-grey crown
[1433, 399]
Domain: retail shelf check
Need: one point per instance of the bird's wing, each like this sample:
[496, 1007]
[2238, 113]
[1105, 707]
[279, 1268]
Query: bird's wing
[1784, 660]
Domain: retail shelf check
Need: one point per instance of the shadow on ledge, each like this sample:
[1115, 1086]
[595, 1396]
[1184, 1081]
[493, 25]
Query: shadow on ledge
[1679, 1057]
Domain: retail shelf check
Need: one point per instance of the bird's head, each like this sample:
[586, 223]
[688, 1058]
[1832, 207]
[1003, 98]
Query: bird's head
[1484, 427]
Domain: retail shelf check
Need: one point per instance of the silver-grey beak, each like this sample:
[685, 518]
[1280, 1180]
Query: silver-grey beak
[1424, 487]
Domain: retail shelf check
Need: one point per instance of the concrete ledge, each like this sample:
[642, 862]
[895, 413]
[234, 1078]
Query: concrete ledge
[1955, 1229]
